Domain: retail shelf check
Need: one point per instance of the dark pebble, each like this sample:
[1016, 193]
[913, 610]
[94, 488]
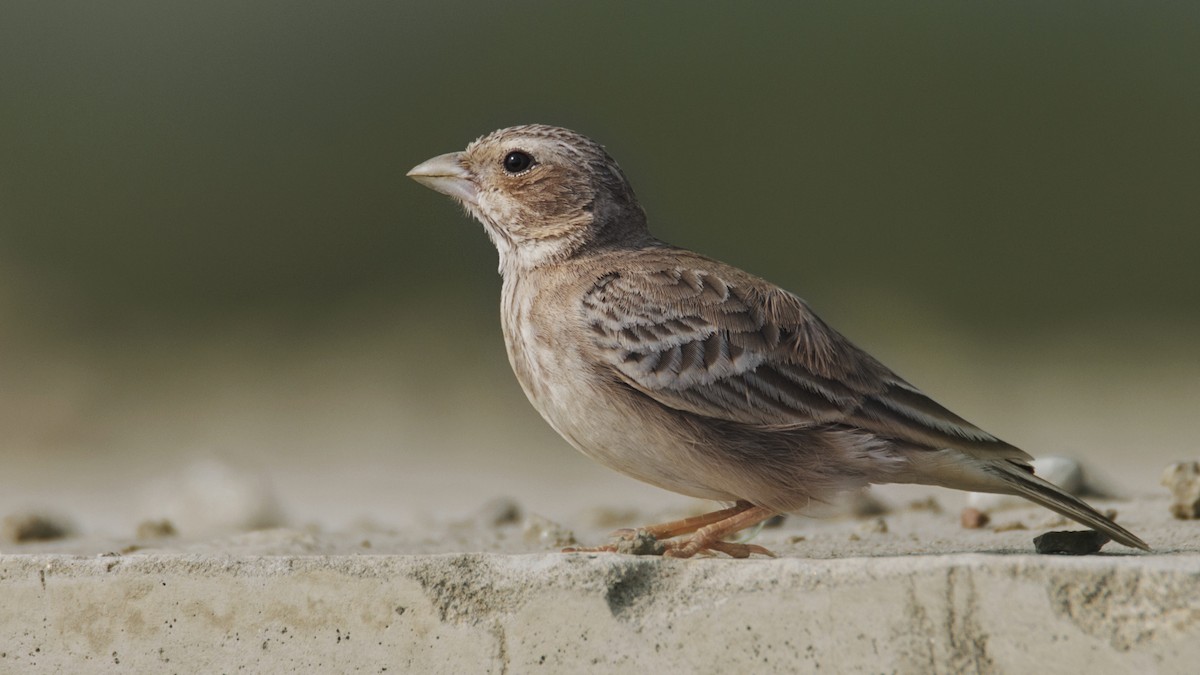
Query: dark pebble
[1071, 543]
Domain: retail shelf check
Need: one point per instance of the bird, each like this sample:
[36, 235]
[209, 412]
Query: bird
[693, 375]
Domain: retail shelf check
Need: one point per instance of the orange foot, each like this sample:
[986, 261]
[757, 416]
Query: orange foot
[709, 530]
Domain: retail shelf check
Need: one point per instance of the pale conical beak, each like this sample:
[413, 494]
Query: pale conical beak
[445, 174]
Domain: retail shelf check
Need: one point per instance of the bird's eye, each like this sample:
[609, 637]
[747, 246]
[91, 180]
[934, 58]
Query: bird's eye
[517, 161]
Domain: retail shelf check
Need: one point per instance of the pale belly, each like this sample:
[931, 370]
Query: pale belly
[602, 419]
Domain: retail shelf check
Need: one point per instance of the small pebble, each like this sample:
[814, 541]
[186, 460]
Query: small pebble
[1071, 543]
[546, 532]
[22, 527]
[863, 504]
[1064, 472]
[1183, 480]
[973, 519]
[874, 526]
[498, 512]
[213, 497]
[155, 529]
[930, 504]
[1009, 527]
[641, 543]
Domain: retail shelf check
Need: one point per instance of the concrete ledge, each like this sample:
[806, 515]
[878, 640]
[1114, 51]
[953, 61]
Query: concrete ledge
[961, 613]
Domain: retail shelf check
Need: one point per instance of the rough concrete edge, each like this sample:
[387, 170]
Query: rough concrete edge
[384, 565]
[970, 612]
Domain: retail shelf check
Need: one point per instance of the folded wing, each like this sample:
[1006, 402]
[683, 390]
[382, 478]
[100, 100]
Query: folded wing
[700, 336]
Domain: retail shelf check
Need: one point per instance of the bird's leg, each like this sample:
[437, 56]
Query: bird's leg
[708, 538]
[648, 540]
[685, 525]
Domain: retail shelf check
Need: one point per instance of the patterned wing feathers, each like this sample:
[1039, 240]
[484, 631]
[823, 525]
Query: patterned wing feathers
[719, 343]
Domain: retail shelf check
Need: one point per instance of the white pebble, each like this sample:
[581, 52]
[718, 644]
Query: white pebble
[1183, 480]
[212, 498]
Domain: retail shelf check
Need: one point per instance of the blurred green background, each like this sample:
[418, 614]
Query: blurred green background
[207, 243]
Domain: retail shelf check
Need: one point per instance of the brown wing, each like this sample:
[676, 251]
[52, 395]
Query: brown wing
[700, 336]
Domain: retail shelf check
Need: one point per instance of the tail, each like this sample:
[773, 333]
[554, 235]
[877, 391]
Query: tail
[1020, 481]
[1010, 476]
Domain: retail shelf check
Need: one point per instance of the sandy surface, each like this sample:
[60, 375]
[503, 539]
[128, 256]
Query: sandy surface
[905, 591]
[915, 522]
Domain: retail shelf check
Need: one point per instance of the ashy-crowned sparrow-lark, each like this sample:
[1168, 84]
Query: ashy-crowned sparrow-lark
[692, 375]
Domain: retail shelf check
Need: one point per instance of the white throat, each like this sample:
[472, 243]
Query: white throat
[522, 253]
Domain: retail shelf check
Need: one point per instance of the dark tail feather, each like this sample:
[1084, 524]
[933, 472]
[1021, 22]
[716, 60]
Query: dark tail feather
[1054, 498]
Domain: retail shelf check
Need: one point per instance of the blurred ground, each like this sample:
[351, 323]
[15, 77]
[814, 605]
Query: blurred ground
[364, 424]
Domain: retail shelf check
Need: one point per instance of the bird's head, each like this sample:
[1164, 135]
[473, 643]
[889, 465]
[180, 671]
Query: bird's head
[543, 194]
